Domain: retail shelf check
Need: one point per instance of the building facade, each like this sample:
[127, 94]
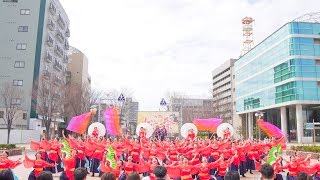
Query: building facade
[34, 42]
[192, 108]
[223, 92]
[78, 67]
[280, 78]
[131, 115]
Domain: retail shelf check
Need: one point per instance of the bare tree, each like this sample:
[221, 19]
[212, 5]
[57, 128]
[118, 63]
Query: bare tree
[79, 99]
[48, 96]
[191, 108]
[111, 98]
[11, 98]
[171, 97]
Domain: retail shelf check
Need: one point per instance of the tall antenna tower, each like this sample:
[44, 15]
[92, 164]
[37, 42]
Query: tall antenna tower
[247, 35]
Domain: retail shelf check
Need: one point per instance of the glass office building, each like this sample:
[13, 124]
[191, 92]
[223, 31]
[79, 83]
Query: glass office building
[281, 78]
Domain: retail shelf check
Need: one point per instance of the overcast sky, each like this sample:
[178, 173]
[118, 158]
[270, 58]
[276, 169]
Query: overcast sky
[152, 46]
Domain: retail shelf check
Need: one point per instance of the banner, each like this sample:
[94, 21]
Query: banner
[170, 120]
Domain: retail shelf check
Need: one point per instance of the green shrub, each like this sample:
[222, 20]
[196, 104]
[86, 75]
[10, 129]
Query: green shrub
[8, 146]
[312, 148]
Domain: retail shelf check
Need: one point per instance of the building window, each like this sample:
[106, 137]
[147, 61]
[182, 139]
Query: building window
[1, 114]
[317, 61]
[318, 84]
[21, 46]
[19, 64]
[15, 1]
[24, 11]
[24, 116]
[16, 101]
[23, 29]
[17, 82]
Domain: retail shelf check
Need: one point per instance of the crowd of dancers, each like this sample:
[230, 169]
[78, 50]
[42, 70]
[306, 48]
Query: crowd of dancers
[185, 159]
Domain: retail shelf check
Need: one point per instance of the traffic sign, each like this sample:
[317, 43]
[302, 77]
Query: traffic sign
[121, 98]
[309, 126]
[163, 102]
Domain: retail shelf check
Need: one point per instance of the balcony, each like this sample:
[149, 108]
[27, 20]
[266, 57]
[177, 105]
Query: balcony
[65, 59]
[57, 65]
[50, 41]
[48, 57]
[60, 37]
[57, 80]
[51, 25]
[46, 74]
[52, 9]
[61, 22]
[67, 32]
[65, 72]
[66, 45]
[58, 51]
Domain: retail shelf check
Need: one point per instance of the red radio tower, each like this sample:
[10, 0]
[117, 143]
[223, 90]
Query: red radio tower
[247, 35]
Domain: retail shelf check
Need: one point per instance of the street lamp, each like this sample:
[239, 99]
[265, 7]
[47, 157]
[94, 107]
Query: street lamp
[121, 98]
[259, 115]
[164, 103]
[55, 115]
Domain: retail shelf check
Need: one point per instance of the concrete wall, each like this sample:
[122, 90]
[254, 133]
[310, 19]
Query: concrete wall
[19, 136]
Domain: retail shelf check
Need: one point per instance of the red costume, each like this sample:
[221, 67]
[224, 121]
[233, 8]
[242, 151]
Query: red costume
[69, 165]
[38, 165]
[7, 163]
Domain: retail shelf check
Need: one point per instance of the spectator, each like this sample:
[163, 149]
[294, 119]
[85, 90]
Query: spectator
[133, 176]
[6, 174]
[44, 175]
[108, 176]
[302, 176]
[80, 174]
[232, 175]
[267, 172]
[160, 172]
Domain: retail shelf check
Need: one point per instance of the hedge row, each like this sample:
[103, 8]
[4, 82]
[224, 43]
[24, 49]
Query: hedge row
[311, 148]
[8, 146]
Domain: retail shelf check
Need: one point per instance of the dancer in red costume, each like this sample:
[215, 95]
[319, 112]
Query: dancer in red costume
[53, 156]
[183, 171]
[148, 167]
[295, 166]
[38, 164]
[222, 168]
[142, 133]
[227, 133]
[136, 148]
[95, 132]
[130, 166]
[6, 163]
[69, 165]
[205, 167]
[191, 134]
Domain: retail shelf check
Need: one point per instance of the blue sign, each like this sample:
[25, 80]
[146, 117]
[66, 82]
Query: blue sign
[121, 98]
[310, 126]
[163, 102]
